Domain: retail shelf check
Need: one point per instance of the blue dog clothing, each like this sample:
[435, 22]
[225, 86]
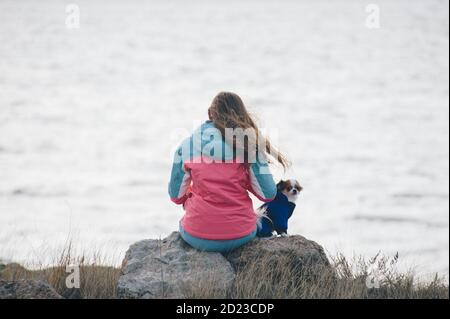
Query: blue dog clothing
[279, 211]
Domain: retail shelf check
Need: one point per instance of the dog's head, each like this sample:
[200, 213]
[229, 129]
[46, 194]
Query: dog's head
[291, 188]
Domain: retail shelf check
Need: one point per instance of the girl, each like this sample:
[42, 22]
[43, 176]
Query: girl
[212, 182]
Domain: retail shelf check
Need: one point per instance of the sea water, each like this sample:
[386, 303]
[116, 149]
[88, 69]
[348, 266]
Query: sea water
[91, 107]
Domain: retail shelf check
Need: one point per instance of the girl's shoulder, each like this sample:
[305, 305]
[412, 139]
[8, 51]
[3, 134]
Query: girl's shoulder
[205, 139]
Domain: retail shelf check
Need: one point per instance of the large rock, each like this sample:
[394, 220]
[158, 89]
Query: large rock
[282, 267]
[27, 289]
[170, 268]
[3, 265]
[294, 251]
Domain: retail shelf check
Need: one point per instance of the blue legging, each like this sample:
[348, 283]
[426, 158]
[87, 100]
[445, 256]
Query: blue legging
[220, 246]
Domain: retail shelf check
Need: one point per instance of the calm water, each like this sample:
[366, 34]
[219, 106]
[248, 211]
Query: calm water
[87, 117]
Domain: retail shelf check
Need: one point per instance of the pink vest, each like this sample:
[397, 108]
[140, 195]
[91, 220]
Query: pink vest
[218, 205]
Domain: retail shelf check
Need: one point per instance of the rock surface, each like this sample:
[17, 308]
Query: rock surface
[27, 289]
[295, 249]
[170, 268]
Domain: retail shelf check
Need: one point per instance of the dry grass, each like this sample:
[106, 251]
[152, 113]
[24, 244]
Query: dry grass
[344, 280]
[261, 279]
[97, 280]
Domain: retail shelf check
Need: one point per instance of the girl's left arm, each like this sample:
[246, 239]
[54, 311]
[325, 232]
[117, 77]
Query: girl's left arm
[180, 179]
[261, 183]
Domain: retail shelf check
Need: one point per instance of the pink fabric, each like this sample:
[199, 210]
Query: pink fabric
[218, 205]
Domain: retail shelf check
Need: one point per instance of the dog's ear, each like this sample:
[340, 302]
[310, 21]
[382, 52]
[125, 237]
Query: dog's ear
[281, 185]
[298, 186]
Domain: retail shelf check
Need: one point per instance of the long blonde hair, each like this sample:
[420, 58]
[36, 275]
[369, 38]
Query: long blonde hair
[227, 111]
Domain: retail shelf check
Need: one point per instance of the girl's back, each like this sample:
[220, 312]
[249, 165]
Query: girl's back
[213, 187]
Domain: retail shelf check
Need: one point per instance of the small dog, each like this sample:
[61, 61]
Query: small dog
[273, 216]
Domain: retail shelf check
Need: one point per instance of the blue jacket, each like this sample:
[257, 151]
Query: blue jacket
[279, 211]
